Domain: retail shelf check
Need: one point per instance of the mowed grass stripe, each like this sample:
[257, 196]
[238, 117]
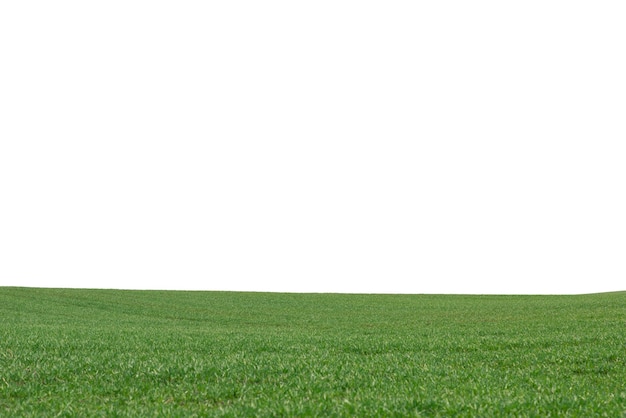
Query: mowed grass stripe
[78, 352]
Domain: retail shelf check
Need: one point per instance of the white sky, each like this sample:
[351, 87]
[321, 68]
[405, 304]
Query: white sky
[327, 146]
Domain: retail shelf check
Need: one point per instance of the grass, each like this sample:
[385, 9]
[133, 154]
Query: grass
[70, 352]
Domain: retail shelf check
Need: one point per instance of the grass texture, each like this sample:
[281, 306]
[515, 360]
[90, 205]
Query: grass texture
[70, 352]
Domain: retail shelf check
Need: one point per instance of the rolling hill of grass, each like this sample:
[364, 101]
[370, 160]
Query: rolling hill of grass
[70, 352]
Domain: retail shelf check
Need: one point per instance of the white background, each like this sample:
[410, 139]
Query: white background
[326, 146]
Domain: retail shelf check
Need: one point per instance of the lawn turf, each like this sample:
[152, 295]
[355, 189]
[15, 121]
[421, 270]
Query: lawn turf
[73, 352]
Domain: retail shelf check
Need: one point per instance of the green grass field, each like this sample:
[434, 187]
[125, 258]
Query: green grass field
[158, 353]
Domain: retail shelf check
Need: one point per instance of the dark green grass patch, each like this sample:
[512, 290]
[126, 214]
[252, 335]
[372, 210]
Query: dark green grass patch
[156, 353]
